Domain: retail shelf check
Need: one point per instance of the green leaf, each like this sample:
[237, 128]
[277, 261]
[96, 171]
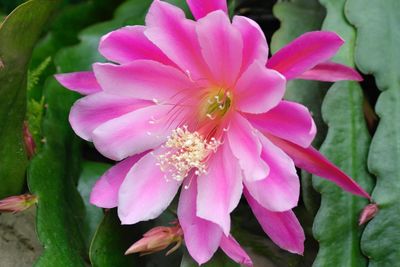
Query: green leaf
[18, 35]
[298, 17]
[347, 143]
[218, 260]
[52, 176]
[377, 52]
[76, 17]
[91, 172]
[55, 170]
[111, 241]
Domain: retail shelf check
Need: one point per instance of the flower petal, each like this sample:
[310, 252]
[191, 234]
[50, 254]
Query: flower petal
[83, 82]
[280, 190]
[305, 52]
[282, 227]
[201, 8]
[221, 189]
[288, 120]
[128, 44]
[202, 237]
[314, 162]
[259, 89]
[176, 36]
[222, 47]
[232, 248]
[246, 147]
[142, 79]
[255, 46]
[331, 72]
[93, 110]
[133, 133]
[145, 193]
[105, 191]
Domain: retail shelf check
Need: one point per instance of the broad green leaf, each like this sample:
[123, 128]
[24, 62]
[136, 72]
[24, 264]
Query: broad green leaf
[52, 176]
[298, 17]
[55, 170]
[18, 35]
[91, 172]
[76, 17]
[218, 260]
[347, 143]
[110, 242]
[377, 52]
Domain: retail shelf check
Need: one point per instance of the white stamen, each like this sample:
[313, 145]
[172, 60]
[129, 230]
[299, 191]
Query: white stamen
[210, 116]
[187, 151]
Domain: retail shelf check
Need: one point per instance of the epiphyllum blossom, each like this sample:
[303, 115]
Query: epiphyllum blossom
[199, 103]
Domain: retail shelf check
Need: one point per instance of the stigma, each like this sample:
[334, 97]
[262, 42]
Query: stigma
[186, 151]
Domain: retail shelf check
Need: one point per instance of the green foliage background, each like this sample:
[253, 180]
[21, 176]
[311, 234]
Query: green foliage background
[43, 37]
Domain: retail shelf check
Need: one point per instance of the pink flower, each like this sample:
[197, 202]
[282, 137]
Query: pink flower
[199, 103]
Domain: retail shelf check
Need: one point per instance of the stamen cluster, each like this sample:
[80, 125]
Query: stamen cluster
[187, 151]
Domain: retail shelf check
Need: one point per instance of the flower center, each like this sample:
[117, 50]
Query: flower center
[217, 104]
[186, 151]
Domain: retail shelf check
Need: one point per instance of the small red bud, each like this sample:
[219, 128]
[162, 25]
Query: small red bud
[17, 203]
[368, 213]
[157, 239]
[28, 140]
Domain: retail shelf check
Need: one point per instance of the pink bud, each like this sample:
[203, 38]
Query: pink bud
[368, 213]
[17, 203]
[157, 239]
[28, 140]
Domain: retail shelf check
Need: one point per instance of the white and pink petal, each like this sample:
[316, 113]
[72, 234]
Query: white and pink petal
[93, 110]
[280, 190]
[134, 132]
[255, 46]
[202, 237]
[204, 7]
[130, 43]
[246, 147]
[221, 46]
[305, 52]
[288, 120]
[259, 89]
[83, 82]
[176, 36]
[105, 192]
[331, 72]
[314, 162]
[145, 192]
[282, 227]
[234, 251]
[220, 188]
[142, 79]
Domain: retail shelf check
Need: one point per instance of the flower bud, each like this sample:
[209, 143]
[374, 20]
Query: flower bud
[368, 213]
[17, 203]
[28, 140]
[157, 239]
